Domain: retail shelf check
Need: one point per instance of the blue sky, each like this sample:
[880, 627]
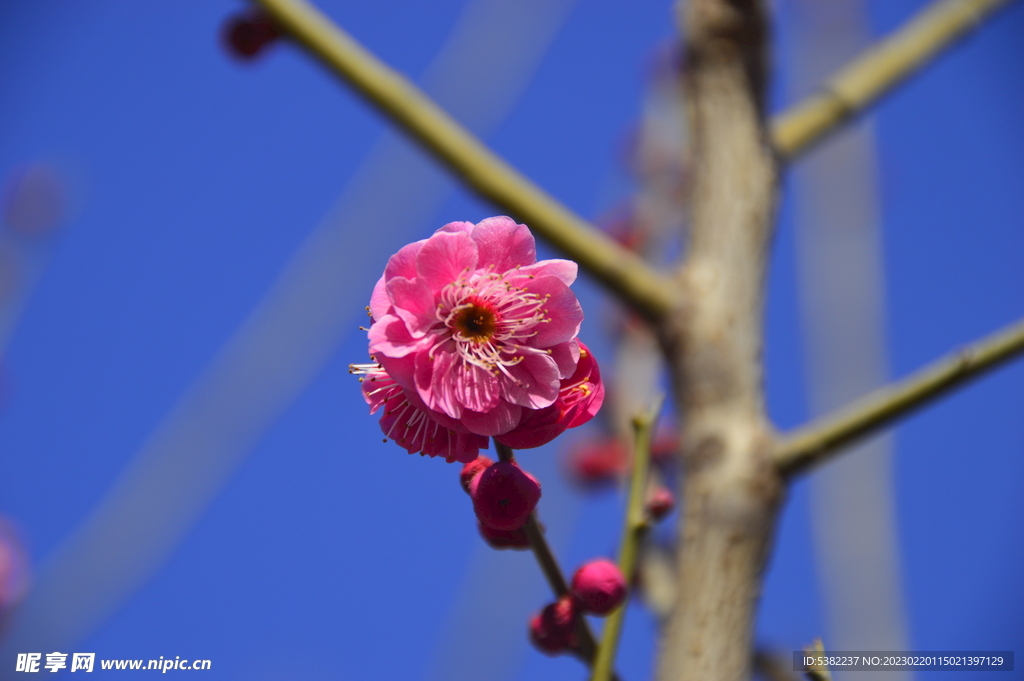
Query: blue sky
[323, 553]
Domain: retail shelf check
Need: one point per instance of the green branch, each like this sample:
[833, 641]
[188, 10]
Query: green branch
[619, 269]
[814, 442]
[633, 534]
[879, 69]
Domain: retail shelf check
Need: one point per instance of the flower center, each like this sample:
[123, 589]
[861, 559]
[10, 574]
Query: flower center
[490, 320]
[477, 321]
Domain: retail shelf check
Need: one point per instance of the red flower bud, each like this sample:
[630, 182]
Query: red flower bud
[504, 496]
[599, 586]
[249, 33]
[597, 463]
[504, 539]
[661, 503]
[473, 469]
[553, 629]
[665, 448]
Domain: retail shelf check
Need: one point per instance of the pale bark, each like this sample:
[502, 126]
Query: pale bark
[713, 340]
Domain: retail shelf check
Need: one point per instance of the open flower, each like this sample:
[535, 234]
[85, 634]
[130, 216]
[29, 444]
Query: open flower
[474, 327]
[409, 422]
[579, 398]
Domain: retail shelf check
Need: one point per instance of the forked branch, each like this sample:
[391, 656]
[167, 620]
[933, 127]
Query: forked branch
[618, 268]
[883, 66]
[818, 440]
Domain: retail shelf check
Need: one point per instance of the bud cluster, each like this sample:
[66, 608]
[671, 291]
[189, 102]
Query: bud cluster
[598, 588]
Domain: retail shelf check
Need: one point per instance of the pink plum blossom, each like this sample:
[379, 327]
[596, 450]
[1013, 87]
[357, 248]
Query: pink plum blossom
[579, 398]
[471, 324]
[409, 422]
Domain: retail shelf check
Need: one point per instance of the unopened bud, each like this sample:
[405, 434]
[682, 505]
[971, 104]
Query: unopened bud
[504, 496]
[599, 586]
[553, 629]
[504, 539]
[597, 463]
[473, 469]
[661, 503]
[249, 33]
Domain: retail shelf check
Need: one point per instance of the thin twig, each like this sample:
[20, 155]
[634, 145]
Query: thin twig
[882, 66]
[636, 526]
[618, 268]
[814, 442]
[549, 566]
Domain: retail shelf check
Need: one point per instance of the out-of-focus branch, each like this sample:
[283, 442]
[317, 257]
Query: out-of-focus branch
[633, 534]
[825, 436]
[879, 69]
[622, 271]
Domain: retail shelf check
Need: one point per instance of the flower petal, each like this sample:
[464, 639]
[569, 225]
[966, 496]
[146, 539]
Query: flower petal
[475, 388]
[534, 383]
[504, 244]
[401, 369]
[536, 428]
[466, 227]
[501, 419]
[379, 301]
[564, 270]
[445, 258]
[389, 336]
[562, 310]
[414, 303]
[566, 356]
[444, 385]
[403, 263]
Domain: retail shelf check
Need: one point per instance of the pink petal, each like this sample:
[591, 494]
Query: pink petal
[445, 258]
[377, 388]
[465, 447]
[403, 263]
[535, 383]
[414, 303]
[562, 309]
[412, 426]
[423, 378]
[564, 270]
[401, 369]
[501, 419]
[585, 410]
[444, 386]
[379, 301]
[537, 428]
[504, 244]
[390, 337]
[466, 227]
[476, 388]
[566, 356]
